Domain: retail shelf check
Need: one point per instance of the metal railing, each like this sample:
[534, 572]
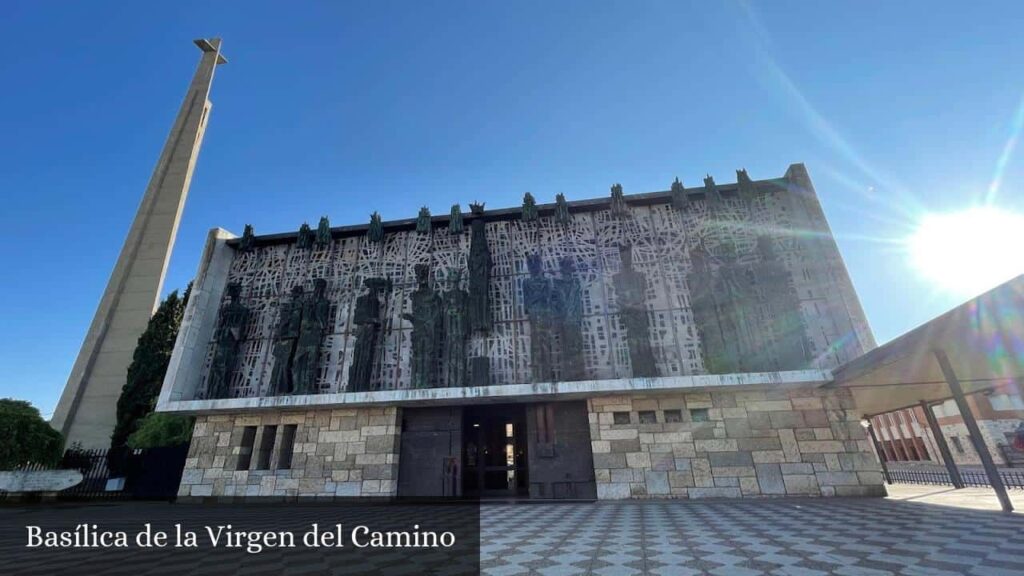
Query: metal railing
[1011, 478]
[152, 473]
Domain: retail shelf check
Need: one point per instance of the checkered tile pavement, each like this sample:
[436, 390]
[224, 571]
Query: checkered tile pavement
[780, 537]
[802, 537]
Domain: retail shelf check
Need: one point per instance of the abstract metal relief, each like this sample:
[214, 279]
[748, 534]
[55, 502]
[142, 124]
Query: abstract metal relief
[699, 291]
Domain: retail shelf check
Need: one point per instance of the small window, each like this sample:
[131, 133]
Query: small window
[648, 417]
[673, 415]
[620, 417]
[699, 414]
[284, 452]
[265, 448]
[245, 451]
[956, 444]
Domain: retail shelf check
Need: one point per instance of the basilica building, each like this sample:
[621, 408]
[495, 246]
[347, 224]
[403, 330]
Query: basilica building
[670, 344]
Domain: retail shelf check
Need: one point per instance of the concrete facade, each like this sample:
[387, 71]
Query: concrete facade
[86, 412]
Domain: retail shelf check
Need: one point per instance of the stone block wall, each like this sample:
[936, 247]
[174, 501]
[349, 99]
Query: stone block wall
[795, 442]
[335, 453]
[992, 431]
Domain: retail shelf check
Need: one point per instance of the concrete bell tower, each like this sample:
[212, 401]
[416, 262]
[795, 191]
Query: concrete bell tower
[87, 409]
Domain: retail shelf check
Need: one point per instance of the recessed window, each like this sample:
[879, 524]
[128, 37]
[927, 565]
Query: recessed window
[284, 452]
[245, 450]
[620, 417]
[699, 414]
[265, 448]
[648, 417]
[956, 444]
[673, 415]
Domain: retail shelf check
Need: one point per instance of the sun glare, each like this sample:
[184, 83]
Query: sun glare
[966, 253]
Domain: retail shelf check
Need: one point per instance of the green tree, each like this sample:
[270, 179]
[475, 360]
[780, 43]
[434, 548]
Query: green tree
[25, 437]
[149, 364]
[161, 429]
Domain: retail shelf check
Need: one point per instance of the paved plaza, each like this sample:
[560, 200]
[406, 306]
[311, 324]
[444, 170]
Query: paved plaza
[918, 530]
[863, 536]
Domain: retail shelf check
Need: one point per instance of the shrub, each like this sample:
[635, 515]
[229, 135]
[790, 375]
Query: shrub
[160, 429]
[25, 438]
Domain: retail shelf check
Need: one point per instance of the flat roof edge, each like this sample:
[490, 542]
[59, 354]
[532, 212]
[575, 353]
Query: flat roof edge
[509, 393]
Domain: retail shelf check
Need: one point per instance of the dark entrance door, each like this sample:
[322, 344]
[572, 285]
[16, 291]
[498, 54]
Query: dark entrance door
[495, 451]
[561, 458]
[429, 463]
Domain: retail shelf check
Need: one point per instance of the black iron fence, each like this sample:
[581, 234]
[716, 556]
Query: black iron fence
[1011, 478]
[120, 474]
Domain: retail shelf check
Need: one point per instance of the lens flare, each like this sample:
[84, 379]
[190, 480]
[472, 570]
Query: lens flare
[966, 253]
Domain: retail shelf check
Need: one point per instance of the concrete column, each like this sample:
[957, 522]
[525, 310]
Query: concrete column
[86, 412]
[940, 441]
[972, 428]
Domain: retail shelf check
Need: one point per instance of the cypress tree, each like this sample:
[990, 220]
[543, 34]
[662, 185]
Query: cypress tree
[149, 364]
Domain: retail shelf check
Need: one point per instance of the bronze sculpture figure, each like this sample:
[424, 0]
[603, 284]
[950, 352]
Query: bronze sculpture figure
[375, 233]
[631, 293]
[305, 237]
[479, 273]
[323, 232]
[423, 224]
[426, 319]
[537, 302]
[562, 215]
[456, 331]
[315, 314]
[287, 334]
[229, 335]
[367, 319]
[529, 208]
[568, 297]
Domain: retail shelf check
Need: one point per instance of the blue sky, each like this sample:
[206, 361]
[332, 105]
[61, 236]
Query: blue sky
[342, 108]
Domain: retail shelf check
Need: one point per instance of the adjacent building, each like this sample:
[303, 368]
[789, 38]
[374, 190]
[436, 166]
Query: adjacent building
[666, 344]
[904, 435]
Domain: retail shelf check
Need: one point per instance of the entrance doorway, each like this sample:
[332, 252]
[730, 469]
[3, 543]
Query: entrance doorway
[495, 452]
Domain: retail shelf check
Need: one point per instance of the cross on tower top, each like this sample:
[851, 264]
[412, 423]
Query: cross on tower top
[211, 45]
